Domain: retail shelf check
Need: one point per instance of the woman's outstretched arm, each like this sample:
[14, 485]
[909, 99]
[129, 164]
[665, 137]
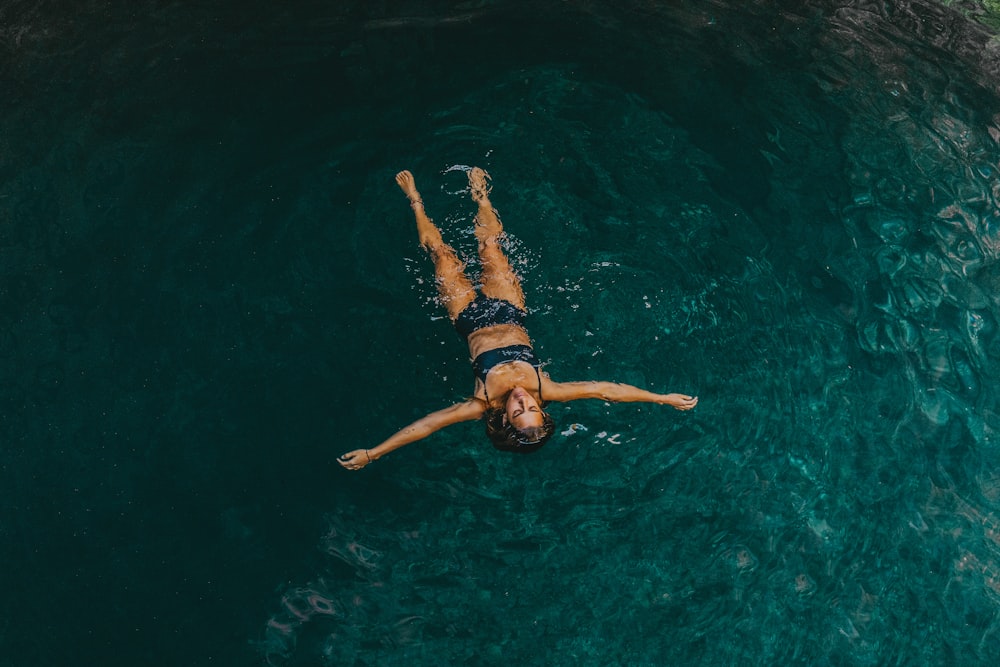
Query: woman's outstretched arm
[613, 392]
[435, 421]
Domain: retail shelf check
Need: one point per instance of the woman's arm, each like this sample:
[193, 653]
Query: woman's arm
[435, 421]
[616, 393]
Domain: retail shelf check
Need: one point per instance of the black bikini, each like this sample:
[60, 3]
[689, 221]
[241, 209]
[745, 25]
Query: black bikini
[490, 359]
[487, 312]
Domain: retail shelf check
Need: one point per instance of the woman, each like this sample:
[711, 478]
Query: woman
[511, 390]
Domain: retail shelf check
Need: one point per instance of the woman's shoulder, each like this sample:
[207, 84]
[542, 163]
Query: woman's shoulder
[476, 403]
[467, 410]
[550, 388]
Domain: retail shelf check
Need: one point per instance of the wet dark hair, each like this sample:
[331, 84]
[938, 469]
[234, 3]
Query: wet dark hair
[506, 437]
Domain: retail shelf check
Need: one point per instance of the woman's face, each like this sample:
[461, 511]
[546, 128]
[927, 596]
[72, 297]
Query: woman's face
[523, 410]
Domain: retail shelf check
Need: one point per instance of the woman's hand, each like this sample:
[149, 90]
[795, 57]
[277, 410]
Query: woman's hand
[680, 401]
[355, 460]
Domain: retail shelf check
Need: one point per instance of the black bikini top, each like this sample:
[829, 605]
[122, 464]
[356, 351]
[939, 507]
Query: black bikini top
[488, 360]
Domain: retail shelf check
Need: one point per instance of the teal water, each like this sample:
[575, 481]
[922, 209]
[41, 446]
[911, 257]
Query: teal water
[212, 288]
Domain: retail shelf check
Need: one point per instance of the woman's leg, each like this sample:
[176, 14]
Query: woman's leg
[453, 285]
[499, 279]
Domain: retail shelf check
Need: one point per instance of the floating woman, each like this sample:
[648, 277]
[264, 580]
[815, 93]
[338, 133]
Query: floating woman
[511, 390]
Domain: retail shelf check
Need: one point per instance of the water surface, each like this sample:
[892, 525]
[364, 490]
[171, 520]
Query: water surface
[212, 288]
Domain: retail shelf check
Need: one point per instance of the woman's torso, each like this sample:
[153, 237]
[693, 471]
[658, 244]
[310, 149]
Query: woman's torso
[503, 377]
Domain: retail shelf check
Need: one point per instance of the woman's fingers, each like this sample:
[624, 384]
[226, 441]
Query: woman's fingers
[683, 402]
[353, 460]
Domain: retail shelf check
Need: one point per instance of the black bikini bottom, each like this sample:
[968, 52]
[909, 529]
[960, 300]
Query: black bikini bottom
[486, 312]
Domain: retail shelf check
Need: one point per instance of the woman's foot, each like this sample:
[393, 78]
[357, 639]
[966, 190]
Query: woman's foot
[404, 180]
[487, 225]
[430, 236]
[479, 186]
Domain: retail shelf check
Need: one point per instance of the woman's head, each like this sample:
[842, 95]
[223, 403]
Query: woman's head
[521, 425]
